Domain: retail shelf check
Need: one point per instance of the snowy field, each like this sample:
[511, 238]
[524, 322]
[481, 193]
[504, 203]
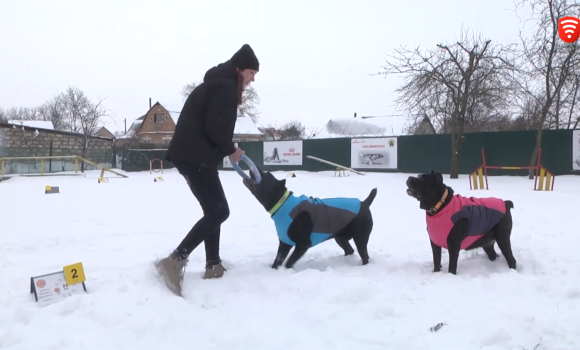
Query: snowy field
[328, 301]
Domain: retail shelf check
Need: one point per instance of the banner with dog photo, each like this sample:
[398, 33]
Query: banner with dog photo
[227, 162]
[576, 150]
[283, 152]
[379, 153]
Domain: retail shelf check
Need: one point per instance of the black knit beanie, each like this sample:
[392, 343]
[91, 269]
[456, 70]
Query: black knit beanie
[245, 59]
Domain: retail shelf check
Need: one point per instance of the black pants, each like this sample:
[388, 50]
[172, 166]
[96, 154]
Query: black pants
[205, 185]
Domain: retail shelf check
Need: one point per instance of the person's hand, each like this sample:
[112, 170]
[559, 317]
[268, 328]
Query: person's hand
[236, 156]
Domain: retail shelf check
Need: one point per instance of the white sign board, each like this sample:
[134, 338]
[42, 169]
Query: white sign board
[283, 152]
[52, 288]
[227, 162]
[379, 153]
[576, 150]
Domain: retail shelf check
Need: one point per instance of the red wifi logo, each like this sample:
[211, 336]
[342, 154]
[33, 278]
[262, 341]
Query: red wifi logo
[569, 29]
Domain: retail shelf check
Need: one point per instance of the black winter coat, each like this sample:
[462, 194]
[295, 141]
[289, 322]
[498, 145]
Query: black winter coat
[205, 128]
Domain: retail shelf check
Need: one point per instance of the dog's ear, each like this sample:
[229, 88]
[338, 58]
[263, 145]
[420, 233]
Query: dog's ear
[438, 177]
[283, 181]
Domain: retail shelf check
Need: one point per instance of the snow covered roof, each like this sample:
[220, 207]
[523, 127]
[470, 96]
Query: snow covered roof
[134, 129]
[33, 123]
[245, 125]
[361, 127]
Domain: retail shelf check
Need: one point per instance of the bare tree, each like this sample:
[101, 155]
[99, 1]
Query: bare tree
[19, 113]
[453, 84]
[82, 115]
[188, 89]
[53, 111]
[570, 112]
[293, 130]
[548, 60]
[250, 100]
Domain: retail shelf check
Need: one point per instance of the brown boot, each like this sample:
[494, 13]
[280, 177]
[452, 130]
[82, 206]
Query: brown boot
[172, 269]
[213, 271]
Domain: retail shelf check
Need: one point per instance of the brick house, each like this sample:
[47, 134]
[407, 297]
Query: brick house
[156, 126]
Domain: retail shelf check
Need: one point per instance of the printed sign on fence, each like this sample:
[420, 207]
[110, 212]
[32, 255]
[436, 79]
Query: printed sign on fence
[379, 153]
[576, 150]
[283, 152]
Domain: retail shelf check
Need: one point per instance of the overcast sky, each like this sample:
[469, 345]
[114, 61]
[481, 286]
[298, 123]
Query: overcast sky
[315, 56]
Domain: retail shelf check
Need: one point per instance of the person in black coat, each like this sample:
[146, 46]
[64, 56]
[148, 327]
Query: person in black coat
[202, 138]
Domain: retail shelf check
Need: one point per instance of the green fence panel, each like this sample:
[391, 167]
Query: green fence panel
[423, 153]
[415, 153]
[138, 159]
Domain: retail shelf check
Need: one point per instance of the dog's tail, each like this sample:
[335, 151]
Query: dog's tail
[509, 205]
[369, 200]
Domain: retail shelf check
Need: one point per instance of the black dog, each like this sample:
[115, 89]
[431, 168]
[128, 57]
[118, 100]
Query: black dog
[455, 222]
[304, 221]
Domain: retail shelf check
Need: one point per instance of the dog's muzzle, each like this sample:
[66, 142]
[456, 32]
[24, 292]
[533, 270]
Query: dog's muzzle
[251, 182]
[411, 191]
[415, 194]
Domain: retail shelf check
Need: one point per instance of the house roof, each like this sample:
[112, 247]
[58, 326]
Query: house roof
[425, 127]
[360, 127]
[135, 127]
[40, 124]
[138, 123]
[97, 130]
[244, 124]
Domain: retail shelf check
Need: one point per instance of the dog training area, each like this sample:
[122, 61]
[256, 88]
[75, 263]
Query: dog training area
[117, 229]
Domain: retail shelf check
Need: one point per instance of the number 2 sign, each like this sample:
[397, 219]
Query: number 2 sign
[74, 274]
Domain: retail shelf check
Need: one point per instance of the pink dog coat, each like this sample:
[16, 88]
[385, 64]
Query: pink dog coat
[482, 214]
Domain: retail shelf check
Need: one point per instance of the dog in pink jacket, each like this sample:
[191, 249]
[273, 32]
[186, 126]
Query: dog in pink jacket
[459, 223]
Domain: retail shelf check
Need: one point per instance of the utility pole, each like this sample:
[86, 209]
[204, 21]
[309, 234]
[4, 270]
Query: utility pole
[125, 120]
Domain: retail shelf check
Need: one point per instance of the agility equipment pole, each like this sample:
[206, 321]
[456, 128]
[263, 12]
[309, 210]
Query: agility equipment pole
[338, 166]
[151, 170]
[543, 174]
[546, 177]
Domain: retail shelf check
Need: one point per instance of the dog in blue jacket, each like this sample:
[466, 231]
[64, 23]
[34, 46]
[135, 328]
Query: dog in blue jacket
[303, 222]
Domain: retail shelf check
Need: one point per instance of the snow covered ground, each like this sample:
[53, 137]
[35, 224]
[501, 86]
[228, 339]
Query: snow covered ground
[328, 301]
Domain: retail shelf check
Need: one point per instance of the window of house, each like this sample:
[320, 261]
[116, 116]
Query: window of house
[159, 118]
[146, 140]
[166, 140]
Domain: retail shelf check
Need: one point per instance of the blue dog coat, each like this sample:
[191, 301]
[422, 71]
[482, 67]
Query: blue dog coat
[328, 216]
